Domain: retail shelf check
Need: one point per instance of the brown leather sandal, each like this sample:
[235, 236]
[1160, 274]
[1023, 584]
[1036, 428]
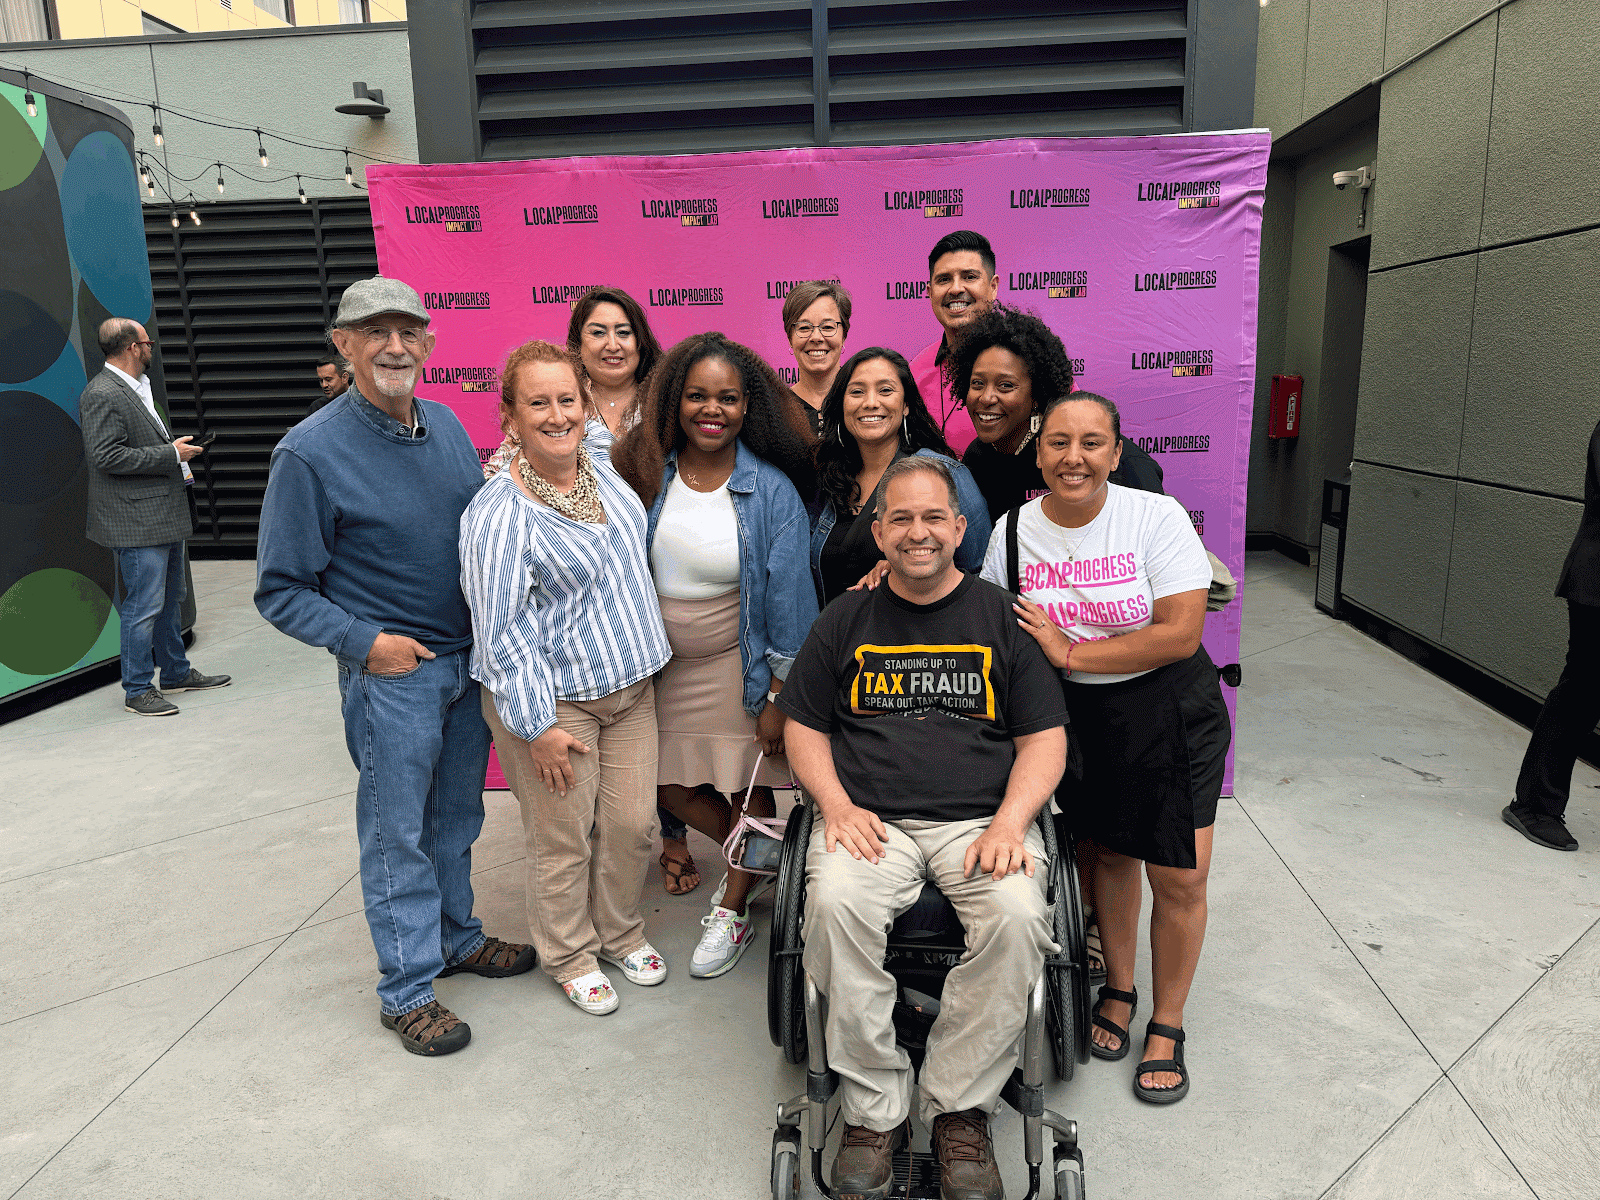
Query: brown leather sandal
[672, 872]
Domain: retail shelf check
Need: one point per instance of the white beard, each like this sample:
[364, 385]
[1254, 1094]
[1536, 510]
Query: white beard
[391, 383]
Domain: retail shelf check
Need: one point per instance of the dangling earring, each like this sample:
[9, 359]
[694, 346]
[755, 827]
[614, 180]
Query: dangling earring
[838, 434]
[1033, 424]
[905, 436]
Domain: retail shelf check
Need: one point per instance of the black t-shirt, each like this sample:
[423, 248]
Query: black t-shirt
[922, 701]
[1007, 480]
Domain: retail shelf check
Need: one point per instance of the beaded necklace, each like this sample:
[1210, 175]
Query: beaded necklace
[582, 503]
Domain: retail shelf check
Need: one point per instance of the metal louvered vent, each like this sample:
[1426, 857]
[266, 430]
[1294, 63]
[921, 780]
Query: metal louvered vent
[242, 303]
[509, 79]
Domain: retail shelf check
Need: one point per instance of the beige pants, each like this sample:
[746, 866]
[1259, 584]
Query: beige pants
[972, 1048]
[587, 852]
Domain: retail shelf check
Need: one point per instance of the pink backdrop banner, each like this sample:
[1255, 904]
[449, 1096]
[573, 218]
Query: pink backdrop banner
[1142, 253]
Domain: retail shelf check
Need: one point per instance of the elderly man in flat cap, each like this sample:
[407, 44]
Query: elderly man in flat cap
[357, 554]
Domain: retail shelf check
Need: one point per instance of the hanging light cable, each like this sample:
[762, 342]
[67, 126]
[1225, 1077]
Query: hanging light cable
[261, 149]
[302, 188]
[27, 95]
[155, 129]
[219, 179]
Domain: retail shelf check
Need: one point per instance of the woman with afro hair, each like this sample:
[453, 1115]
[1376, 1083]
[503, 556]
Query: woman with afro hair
[715, 458]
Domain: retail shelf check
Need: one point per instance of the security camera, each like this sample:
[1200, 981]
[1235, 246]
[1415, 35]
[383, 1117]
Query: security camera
[1343, 179]
[1362, 177]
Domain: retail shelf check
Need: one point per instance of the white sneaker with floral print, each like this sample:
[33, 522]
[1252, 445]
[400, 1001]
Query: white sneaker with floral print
[592, 992]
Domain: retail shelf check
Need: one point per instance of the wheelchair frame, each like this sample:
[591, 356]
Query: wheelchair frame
[1058, 1010]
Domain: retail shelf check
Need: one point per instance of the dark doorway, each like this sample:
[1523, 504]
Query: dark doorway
[1339, 381]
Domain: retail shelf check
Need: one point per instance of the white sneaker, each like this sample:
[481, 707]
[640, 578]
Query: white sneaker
[592, 992]
[644, 966]
[728, 934]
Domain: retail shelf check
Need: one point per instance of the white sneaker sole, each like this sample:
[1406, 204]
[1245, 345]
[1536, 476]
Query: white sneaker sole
[733, 962]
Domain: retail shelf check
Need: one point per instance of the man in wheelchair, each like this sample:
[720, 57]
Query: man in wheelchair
[927, 727]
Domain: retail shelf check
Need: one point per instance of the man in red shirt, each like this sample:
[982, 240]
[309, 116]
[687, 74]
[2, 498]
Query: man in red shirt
[961, 287]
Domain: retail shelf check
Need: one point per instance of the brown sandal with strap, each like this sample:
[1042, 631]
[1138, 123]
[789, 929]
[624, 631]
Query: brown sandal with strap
[674, 869]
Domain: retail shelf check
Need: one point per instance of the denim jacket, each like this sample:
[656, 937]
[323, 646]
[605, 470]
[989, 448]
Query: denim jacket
[974, 543]
[775, 609]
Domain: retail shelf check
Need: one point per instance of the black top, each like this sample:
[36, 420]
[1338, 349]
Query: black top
[923, 700]
[1007, 480]
[849, 553]
[1580, 574]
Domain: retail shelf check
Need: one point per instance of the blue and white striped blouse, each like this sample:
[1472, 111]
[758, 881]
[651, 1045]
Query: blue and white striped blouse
[561, 610]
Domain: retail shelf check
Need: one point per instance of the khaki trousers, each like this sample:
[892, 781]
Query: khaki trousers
[972, 1048]
[587, 852]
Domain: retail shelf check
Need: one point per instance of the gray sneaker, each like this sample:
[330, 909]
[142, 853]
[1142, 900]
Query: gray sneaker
[151, 704]
[196, 682]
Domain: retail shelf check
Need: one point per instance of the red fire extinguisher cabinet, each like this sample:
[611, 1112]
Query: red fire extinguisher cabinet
[1283, 412]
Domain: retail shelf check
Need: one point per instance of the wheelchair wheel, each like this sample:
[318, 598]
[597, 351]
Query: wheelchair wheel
[1067, 1003]
[786, 1021]
[786, 1163]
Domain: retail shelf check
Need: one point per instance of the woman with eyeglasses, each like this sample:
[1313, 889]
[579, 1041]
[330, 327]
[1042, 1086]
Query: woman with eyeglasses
[873, 416]
[816, 320]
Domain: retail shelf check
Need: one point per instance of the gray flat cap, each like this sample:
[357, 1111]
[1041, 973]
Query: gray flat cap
[366, 298]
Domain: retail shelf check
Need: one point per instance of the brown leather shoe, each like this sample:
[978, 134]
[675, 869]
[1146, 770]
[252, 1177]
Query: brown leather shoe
[864, 1169]
[431, 1030]
[495, 960]
[966, 1157]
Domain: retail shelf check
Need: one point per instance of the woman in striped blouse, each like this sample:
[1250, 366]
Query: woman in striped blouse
[566, 636]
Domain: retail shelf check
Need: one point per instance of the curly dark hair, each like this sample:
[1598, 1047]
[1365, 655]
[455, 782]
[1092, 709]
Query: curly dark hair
[838, 455]
[1024, 334]
[774, 429]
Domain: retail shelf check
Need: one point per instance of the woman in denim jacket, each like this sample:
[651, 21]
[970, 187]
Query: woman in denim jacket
[712, 458]
[873, 415]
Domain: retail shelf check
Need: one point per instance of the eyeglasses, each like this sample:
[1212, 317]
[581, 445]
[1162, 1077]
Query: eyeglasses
[827, 329]
[144, 343]
[379, 335]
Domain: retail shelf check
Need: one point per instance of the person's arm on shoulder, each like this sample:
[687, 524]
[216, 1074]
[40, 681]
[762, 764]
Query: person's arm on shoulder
[1001, 849]
[975, 542]
[105, 441]
[294, 547]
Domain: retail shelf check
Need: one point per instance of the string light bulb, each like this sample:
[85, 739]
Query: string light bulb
[174, 218]
[193, 206]
[261, 149]
[349, 175]
[27, 95]
[220, 185]
[302, 188]
[155, 129]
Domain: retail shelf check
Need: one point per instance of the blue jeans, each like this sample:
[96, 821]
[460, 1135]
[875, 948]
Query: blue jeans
[421, 746]
[152, 597]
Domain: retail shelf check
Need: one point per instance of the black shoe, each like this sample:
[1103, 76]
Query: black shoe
[431, 1030]
[150, 704]
[495, 960]
[1540, 828]
[196, 682]
[864, 1166]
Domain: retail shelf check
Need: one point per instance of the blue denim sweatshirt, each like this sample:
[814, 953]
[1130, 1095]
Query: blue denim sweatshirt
[974, 543]
[776, 609]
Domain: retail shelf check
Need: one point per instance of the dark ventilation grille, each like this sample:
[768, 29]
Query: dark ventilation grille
[684, 76]
[242, 303]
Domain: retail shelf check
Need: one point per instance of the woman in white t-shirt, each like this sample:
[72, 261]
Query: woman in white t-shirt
[1112, 583]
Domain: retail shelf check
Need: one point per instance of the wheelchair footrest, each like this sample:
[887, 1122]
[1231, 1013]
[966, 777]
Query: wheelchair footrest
[922, 1169]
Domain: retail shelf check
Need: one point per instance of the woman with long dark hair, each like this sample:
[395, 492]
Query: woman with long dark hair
[874, 415]
[713, 456]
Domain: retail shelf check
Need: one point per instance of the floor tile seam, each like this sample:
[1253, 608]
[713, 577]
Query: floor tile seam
[1343, 941]
[195, 1025]
[1314, 633]
[175, 838]
[1490, 1134]
[146, 979]
[1383, 1133]
[219, 703]
[311, 924]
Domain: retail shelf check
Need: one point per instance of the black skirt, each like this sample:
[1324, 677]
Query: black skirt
[1154, 750]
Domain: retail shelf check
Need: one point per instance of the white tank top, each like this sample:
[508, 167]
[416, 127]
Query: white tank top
[695, 555]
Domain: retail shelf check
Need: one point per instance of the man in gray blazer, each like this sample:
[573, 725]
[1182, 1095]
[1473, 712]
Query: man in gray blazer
[139, 509]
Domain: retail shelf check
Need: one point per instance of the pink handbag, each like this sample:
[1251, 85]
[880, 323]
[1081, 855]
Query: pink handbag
[754, 844]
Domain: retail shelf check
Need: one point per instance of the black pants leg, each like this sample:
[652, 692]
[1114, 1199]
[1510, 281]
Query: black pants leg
[1570, 712]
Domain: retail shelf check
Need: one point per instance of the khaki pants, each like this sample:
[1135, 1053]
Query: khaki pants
[587, 852]
[972, 1048]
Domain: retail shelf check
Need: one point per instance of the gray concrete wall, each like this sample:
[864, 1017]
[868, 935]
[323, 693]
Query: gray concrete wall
[1475, 399]
[288, 81]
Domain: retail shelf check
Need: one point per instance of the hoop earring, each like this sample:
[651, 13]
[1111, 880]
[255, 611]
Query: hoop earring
[905, 436]
[838, 434]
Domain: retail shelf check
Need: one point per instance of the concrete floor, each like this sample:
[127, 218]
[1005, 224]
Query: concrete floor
[1400, 997]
